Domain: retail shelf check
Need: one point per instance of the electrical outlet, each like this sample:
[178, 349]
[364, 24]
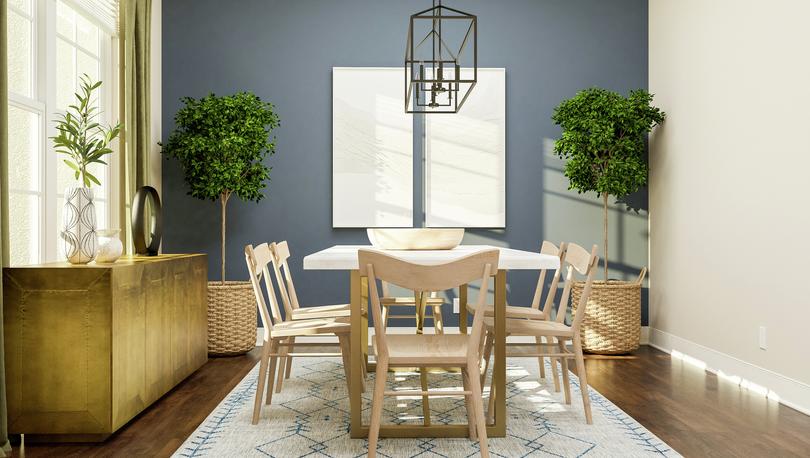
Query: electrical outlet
[763, 338]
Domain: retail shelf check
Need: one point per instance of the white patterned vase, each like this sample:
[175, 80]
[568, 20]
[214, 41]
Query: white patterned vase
[79, 226]
[110, 247]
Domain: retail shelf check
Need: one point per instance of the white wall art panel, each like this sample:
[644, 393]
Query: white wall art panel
[465, 159]
[372, 149]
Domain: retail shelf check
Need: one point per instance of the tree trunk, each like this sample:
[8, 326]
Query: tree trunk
[604, 226]
[223, 200]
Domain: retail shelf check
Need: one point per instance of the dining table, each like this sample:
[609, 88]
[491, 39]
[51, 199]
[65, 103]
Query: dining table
[344, 258]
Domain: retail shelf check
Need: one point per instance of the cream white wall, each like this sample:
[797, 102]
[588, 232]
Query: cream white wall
[730, 174]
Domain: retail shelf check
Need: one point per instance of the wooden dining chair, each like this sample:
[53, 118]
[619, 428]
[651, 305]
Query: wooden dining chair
[420, 303]
[292, 308]
[425, 350]
[578, 260]
[279, 334]
[534, 312]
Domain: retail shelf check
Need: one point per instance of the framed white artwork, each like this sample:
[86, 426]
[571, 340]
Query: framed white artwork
[372, 149]
[465, 159]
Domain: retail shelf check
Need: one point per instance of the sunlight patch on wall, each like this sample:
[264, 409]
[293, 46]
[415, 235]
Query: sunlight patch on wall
[372, 149]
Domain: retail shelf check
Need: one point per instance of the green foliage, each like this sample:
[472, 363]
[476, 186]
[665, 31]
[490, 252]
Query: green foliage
[603, 142]
[603, 139]
[80, 137]
[221, 143]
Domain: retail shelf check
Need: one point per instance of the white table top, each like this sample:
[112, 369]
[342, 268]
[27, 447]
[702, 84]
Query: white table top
[344, 257]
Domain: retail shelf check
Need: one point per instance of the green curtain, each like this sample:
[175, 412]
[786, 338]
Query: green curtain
[134, 40]
[5, 447]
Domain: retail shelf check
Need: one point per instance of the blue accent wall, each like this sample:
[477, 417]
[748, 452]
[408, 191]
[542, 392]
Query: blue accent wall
[284, 52]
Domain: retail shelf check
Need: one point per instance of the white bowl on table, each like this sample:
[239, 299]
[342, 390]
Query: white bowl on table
[415, 238]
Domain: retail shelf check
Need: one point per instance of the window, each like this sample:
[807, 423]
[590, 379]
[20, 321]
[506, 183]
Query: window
[51, 43]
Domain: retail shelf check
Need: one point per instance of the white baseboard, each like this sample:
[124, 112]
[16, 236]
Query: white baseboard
[645, 335]
[787, 391]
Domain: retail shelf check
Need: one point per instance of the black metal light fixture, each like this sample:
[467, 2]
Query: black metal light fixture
[441, 59]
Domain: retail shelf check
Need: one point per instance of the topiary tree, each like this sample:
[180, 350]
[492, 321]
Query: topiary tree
[603, 138]
[221, 143]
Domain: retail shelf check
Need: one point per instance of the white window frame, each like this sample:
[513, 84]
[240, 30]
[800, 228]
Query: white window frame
[43, 103]
[33, 103]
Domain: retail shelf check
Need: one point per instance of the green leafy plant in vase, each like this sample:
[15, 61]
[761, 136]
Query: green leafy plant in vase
[603, 142]
[221, 143]
[84, 142]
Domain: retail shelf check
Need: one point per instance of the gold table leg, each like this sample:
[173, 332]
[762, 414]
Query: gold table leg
[462, 308]
[359, 329]
[499, 365]
[364, 324]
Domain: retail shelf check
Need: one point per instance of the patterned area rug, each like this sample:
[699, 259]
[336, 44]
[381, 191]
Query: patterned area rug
[310, 418]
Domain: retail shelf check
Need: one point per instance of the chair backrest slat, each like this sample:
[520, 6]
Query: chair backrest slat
[380, 344]
[258, 259]
[419, 277]
[477, 333]
[427, 277]
[577, 260]
[549, 249]
[281, 268]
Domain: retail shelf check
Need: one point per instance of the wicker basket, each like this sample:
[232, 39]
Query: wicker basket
[231, 318]
[612, 323]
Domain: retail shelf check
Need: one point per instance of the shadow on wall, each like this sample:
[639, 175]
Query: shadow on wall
[571, 217]
[577, 218]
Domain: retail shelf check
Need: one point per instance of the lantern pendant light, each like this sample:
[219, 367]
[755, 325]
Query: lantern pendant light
[441, 59]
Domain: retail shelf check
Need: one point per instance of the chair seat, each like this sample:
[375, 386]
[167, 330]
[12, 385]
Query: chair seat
[408, 301]
[321, 311]
[532, 327]
[512, 311]
[310, 327]
[416, 349]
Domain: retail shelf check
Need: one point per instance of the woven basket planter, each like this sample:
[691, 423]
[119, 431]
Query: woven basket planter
[612, 323]
[231, 318]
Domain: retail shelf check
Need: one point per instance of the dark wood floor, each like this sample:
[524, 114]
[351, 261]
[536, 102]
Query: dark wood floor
[691, 410]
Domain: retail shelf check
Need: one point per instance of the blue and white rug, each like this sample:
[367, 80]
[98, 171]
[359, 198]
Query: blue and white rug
[310, 418]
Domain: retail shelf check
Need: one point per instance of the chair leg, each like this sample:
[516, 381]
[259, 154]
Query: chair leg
[257, 403]
[554, 371]
[343, 342]
[385, 312]
[566, 382]
[471, 419]
[540, 360]
[425, 402]
[420, 314]
[583, 378]
[282, 365]
[488, 342]
[438, 322]
[478, 408]
[490, 418]
[364, 370]
[288, 369]
[377, 406]
[271, 375]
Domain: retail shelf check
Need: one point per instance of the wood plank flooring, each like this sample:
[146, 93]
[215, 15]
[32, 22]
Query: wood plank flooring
[693, 411]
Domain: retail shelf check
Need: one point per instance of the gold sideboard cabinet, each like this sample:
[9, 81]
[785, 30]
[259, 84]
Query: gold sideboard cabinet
[89, 347]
